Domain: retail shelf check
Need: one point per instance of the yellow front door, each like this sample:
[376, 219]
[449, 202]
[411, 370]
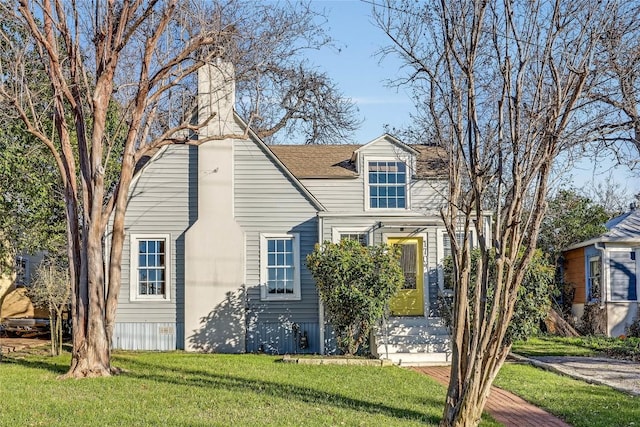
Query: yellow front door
[410, 299]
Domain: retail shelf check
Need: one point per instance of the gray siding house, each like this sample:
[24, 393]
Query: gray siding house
[218, 234]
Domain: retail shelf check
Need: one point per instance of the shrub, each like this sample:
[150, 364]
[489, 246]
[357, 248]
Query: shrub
[355, 283]
[593, 320]
[534, 294]
[633, 330]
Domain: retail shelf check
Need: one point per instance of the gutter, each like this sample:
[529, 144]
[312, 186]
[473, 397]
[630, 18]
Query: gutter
[603, 277]
[320, 305]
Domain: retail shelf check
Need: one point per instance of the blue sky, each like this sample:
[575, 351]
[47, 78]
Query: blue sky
[361, 75]
[355, 67]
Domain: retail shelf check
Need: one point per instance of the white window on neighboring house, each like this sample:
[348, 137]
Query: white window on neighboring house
[594, 288]
[387, 184]
[150, 275]
[22, 271]
[280, 266]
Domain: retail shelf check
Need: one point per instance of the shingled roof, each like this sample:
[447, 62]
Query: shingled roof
[317, 161]
[334, 161]
[624, 227]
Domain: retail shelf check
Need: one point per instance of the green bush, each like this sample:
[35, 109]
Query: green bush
[534, 294]
[633, 330]
[355, 283]
[593, 320]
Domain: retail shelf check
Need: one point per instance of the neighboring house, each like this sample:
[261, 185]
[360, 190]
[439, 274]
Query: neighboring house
[606, 271]
[218, 235]
[16, 303]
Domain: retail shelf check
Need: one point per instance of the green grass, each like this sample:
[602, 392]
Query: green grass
[578, 403]
[180, 389]
[628, 349]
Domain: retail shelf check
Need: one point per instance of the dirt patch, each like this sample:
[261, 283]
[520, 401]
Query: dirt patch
[13, 345]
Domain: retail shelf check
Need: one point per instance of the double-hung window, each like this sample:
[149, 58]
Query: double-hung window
[280, 266]
[387, 184]
[150, 267]
[595, 273]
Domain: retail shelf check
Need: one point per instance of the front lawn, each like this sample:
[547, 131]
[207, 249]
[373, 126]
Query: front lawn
[577, 402]
[628, 349]
[180, 389]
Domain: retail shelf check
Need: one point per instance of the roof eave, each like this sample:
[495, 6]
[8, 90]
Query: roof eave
[603, 240]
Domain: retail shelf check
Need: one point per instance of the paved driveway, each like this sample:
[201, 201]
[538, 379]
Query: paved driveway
[618, 374]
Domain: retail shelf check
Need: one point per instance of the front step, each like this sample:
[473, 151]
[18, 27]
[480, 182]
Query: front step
[419, 359]
[413, 341]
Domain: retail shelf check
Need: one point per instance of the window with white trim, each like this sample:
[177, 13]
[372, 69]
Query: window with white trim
[280, 266]
[594, 289]
[150, 267]
[358, 237]
[360, 234]
[387, 184]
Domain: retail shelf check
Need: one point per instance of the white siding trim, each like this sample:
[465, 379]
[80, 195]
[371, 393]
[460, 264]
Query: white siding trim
[440, 256]
[133, 269]
[638, 275]
[606, 272]
[440, 235]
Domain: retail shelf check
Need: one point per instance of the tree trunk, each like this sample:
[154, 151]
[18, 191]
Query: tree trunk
[91, 355]
[91, 351]
[468, 391]
[52, 333]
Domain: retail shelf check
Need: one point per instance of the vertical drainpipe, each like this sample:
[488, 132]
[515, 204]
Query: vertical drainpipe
[603, 277]
[320, 305]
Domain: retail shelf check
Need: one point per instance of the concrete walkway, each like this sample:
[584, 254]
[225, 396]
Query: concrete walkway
[504, 407]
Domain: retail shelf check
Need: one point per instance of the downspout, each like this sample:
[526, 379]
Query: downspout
[603, 278]
[320, 305]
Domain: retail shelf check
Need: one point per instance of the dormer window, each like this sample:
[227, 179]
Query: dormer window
[387, 181]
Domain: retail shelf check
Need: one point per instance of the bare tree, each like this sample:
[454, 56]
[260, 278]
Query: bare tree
[50, 288]
[501, 86]
[616, 91]
[122, 84]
